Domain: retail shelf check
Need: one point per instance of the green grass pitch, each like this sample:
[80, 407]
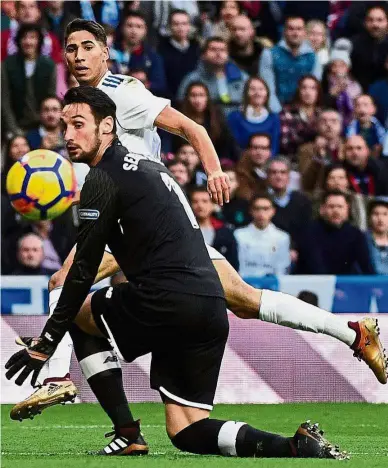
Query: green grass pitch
[62, 436]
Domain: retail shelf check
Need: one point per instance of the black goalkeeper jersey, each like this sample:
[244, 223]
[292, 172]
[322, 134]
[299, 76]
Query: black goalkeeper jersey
[137, 208]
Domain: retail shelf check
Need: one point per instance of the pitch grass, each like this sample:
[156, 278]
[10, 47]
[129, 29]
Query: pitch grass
[62, 436]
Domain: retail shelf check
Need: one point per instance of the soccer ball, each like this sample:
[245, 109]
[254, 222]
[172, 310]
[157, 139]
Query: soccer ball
[41, 185]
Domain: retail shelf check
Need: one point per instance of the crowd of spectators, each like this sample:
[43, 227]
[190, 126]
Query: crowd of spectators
[294, 96]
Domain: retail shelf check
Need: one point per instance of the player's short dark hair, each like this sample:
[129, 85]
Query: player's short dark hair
[257, 135]
[93, 27]
[176, 11]
[100, 103]
[334, 193]
[210, 40]
[134, 14]
[27, 28]
[261, 196]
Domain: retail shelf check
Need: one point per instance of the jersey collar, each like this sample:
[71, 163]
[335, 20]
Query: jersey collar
[108, 73]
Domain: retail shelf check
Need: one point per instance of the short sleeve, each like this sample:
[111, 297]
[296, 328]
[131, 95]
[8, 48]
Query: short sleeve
[137, 108]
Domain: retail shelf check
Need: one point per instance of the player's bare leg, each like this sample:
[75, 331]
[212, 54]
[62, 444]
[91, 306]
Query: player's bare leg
[283, 309]
[191, 430]
[244, 301]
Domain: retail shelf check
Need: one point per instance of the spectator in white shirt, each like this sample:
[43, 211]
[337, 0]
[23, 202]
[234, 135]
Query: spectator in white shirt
[263, 249]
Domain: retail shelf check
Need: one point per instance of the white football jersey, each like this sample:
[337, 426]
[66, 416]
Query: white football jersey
[136, 112]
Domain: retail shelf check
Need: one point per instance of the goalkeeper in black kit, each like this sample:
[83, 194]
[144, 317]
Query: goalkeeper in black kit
[173, 305]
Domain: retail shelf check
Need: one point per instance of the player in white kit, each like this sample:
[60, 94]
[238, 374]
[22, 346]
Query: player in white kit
[138, 114]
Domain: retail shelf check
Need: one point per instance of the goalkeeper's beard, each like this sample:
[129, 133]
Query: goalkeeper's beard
[87, 156]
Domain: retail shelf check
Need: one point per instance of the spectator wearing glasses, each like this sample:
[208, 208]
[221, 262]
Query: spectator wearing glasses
[251, 169]
[263, 249]
[254, 116]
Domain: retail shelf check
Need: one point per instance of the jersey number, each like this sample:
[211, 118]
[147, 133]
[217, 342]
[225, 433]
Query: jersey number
[172, 185]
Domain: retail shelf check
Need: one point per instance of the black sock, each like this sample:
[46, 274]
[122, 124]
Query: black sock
[101, 368]
[251, 442]
[212, 436]
[200, 437]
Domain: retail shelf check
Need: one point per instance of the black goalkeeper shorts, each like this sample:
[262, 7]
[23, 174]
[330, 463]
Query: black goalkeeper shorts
[185, 333]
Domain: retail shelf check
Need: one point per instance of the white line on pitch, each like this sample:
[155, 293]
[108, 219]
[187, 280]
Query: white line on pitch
[81, 427]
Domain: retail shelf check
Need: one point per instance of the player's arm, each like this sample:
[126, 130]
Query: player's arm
[97, 219]
[137, 108]
[97, 215]
[175, 122]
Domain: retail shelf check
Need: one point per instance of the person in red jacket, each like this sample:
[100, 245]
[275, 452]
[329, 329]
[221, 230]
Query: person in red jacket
[28, 12]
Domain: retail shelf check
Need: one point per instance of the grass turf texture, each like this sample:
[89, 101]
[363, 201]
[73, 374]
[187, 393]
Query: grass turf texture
[62, 436]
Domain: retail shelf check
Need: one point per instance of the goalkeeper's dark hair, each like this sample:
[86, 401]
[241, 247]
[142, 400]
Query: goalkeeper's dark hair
[94, 28]
[100, 103]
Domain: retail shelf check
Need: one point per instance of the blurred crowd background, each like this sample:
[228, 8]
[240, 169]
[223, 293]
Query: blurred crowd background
[294, 96]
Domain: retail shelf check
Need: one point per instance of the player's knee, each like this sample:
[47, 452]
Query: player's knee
[199, 437]
[184, 438]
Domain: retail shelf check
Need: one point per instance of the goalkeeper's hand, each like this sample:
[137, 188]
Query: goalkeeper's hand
[30, 359]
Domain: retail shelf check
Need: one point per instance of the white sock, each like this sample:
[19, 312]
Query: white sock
[59, 364]
[284, 309]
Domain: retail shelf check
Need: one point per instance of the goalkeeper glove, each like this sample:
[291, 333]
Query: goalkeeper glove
[30, 359]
